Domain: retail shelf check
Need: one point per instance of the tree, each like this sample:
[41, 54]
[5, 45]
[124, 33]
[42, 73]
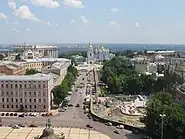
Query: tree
[18, 57]
[58, 95]
[31, 71]
[174, 121]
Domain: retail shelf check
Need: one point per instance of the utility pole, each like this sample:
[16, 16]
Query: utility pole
[162, 120]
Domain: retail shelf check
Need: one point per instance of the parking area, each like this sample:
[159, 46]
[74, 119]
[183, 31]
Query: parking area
[30, 133]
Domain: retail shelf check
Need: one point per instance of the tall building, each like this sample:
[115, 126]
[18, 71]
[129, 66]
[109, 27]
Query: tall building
[26, 93]
[90, 55]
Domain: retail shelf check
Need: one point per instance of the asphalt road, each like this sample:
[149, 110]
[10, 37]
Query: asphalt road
[73, 116]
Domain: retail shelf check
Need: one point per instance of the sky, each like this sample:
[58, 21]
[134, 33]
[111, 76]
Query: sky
[96, 21]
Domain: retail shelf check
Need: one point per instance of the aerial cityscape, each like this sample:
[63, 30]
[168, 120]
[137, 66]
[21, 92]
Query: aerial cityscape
[76, 69]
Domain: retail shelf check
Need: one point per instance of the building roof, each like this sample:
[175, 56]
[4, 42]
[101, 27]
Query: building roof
[58, 65]
[46, 60]
[35, 77]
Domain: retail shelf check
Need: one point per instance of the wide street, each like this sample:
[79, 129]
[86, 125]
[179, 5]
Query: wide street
[73, 116]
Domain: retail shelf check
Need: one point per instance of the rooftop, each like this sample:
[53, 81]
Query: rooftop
[35, 77]
[46, 59]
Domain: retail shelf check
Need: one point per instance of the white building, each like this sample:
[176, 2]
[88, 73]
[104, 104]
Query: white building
[26, 93]
[36, 51]
[152, 67]
[98, 55]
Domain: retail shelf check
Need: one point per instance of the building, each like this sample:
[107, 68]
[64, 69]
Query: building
[12, 68]
[26, 93]
[29, 51]
[152, 67]
[180, 93]
[98, 54]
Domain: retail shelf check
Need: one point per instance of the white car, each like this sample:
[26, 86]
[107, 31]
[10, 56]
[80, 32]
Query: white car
[120, 126]
[117, 131]
[109, 124]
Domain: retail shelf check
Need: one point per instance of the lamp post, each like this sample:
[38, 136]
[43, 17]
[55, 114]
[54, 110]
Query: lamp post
[162, 118]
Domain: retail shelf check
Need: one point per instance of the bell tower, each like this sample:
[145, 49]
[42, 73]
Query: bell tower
[90, 54]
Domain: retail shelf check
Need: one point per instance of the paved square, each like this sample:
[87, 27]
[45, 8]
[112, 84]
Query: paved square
[30, 133]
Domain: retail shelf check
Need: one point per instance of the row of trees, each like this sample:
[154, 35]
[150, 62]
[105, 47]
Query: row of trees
[173, 120]
[120, 76]
[61, 91]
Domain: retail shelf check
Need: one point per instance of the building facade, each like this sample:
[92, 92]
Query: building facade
[26, 93]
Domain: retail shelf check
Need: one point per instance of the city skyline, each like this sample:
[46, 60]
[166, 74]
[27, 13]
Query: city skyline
[76, 21]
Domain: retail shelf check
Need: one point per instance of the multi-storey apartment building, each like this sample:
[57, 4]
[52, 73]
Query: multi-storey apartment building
[26, 93]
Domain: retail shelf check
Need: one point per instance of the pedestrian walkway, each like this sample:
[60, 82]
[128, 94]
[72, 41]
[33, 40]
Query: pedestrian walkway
[30, 133]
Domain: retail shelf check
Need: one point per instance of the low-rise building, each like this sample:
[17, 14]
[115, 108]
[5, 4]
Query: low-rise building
[26, 93]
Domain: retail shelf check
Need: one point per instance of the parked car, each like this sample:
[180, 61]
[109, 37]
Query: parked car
[21, 115]
[61, 110]
[11, 114]
[117, 131]
[15, 126]
[77, 105]
[70, 105]
[2, 114]
[7, 114]
[20, 125]
[15, 114]
[120, 126]
[109, 124]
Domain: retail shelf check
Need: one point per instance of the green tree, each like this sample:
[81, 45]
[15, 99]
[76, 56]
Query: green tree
[31, 71]
[174, 121]
[18, 57]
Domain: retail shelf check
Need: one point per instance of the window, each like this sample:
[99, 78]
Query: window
[34, 100]
[3, 106]
[34, 93]
[44, 94]
[7, 106]
[15, 85]
[39, 86]
[2, 99]
[30, 99]
[11, 86]
[12, 106]
[20, 85]
[16, 106]
[11, 93]
[21, 100]
[26, 106]
[44, 106]
[30, 106]
[35, 106]
[7, 100]
[30, 93]
[11, 99]
[6, 85]
[44, 100]
[16, 100]
[25, 93]
[2, 86]
[39, 100]
[25, 85]
[44, 86]
[29, 85]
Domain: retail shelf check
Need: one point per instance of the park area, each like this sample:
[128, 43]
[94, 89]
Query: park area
[126, 109]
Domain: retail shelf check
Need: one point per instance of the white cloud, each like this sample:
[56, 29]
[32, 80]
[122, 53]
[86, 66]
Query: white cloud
[137, 25]
[28, 29]
[24, 12]
[114, 10]
[115, 23]
[3, 16]
[56, 25]
[85, 20]
[12, 5]
[15, 30]
[73, 3]
[72, 21]
[46, 3]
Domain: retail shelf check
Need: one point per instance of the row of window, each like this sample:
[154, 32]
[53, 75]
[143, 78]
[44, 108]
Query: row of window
[22, 85]
[31, 94]
[26, 106]
[21, 100]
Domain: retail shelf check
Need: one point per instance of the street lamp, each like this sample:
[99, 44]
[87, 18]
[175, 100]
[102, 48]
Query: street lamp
[162, 118]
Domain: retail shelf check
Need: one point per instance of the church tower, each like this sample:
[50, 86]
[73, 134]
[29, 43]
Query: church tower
[90, 54]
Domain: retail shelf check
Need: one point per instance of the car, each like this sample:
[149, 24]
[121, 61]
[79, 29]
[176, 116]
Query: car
[15, 126]
[2, 114]
[20, 125]
[117, 131]
[26, 114]
[70, 105]
[21, 115]
[89, 126]
[77, 105]
[7, 114]
[61, 110]
[109, 124]
[11, 114]
[120, 126]
[15, 114]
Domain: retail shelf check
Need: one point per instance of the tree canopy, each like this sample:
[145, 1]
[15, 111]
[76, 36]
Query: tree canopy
[174, 120]
[120, 77]
[31, 71]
